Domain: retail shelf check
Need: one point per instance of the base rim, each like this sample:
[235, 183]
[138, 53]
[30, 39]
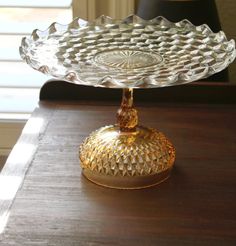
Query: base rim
[127, 183]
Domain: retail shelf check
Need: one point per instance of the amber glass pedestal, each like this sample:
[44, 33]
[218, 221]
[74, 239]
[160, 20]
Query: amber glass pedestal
[127, 155]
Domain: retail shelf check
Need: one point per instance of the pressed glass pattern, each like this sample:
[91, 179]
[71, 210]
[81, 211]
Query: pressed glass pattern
[129, 53]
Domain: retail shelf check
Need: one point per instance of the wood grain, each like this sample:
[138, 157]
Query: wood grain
[196, 206]
[21, 157]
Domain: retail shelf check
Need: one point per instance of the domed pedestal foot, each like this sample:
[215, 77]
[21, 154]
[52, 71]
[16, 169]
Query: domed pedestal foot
[126, 160]
[126, 156]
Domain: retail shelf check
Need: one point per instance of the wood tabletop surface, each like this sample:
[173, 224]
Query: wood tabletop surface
[44, 200]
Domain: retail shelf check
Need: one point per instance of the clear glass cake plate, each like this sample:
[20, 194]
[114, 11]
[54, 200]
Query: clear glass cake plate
[129, 54]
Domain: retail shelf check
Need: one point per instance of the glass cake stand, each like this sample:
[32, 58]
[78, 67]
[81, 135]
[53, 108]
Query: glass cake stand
[129, 54]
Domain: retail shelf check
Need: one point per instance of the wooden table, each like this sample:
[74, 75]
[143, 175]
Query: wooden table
[56, 206]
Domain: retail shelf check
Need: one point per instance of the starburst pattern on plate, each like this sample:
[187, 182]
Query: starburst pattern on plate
[127, 59]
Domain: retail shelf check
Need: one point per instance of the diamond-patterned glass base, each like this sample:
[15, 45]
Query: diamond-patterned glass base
[126, 160]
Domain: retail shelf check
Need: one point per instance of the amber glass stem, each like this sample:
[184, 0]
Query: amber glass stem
[127, 115]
